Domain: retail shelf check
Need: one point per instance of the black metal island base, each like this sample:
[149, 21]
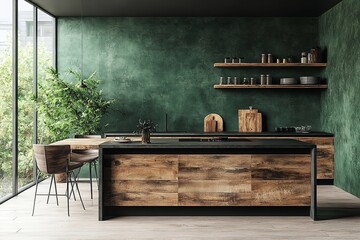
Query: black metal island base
[190, 177]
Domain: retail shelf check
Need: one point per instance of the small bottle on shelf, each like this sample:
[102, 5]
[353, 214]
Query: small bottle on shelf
[236, 80]
[263, 58]
[310, 58]
[222, 80]
[228, 80]
[262, 79]
[303, 57]
[253, 81]
[268, 79]
[227, 60]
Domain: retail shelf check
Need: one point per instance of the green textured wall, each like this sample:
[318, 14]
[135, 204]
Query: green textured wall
[155, 66]
[340, 32]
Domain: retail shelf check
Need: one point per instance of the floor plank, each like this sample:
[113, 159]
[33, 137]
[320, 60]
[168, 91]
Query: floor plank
[51, 221]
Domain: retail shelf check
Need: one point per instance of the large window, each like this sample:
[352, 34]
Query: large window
[6, 98]
[32, 49]
[25, 93]
[46, 55]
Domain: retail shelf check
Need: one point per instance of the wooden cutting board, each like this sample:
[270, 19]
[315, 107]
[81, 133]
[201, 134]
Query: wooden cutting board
[250, 120]
[213, 123]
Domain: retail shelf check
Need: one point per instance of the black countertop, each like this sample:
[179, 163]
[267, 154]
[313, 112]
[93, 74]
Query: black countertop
[240, 144]
[227, 134]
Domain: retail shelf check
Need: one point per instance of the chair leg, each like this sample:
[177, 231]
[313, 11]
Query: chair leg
[52, 178]
[72, 188]
[36, 188]
[91, 189]
[56, 193]
[77, 187]
[67, 193]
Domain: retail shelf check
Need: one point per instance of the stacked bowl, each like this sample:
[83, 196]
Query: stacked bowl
[309, 80]
[288, 81]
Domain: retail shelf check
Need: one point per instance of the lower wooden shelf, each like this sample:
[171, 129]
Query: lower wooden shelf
[298, 86]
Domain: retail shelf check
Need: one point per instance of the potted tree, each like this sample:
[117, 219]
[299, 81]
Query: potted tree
[70, 107]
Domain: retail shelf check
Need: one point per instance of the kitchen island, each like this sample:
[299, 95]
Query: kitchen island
[324, 144]
[189, 173]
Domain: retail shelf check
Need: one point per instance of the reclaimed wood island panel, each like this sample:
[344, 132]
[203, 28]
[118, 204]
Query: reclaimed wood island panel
[171, 173]
[323, 141]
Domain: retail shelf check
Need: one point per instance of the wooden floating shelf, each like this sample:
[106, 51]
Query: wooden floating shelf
[236, 65]
[298, 86]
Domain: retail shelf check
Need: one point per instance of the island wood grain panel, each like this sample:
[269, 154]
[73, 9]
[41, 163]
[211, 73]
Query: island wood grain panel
[281, 192]
[280, 174]
[206, 180]
[138, 186]
[229, 173]
[325, 153]
[280, 161]
[143, 160]
[141, 199]
[214, 166]
[214, 160]
[215, 199]
[215, 186]
[279, 166]
[325, 163]
[214, 180]
[280, 180]
[141, 167]
[140, 180]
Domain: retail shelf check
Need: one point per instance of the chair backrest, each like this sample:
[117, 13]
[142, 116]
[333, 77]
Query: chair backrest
[52, 159]
[89, 151]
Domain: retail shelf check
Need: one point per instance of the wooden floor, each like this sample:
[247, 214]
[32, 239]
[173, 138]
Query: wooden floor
[51, 221]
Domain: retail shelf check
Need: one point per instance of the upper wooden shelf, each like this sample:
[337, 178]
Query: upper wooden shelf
[236, 65]
[297, 86]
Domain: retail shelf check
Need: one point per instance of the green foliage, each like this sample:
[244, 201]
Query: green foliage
[25, 113]
[66, 109]
[59, 114]
[146, 126]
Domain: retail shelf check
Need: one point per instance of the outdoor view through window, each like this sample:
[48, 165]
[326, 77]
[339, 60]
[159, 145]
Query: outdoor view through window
[25, 89]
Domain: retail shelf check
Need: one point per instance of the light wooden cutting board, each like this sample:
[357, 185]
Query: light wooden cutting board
[250, 120]
[213, 123]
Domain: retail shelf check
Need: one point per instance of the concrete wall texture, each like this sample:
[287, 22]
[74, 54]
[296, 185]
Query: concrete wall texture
[158, 66]
[339, 30]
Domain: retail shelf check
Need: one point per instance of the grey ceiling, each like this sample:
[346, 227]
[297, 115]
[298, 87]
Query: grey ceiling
[186, 8]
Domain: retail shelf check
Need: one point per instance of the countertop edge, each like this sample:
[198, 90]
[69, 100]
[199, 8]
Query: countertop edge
[173, 144]
[225, 134]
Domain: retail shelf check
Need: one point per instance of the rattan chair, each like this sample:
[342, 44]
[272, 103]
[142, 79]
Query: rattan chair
[87, 156]
[54, 159]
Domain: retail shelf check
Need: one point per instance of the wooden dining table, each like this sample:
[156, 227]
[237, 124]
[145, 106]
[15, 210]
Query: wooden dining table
[83, 143]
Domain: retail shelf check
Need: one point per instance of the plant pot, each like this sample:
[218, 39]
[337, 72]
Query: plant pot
[145, 137]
